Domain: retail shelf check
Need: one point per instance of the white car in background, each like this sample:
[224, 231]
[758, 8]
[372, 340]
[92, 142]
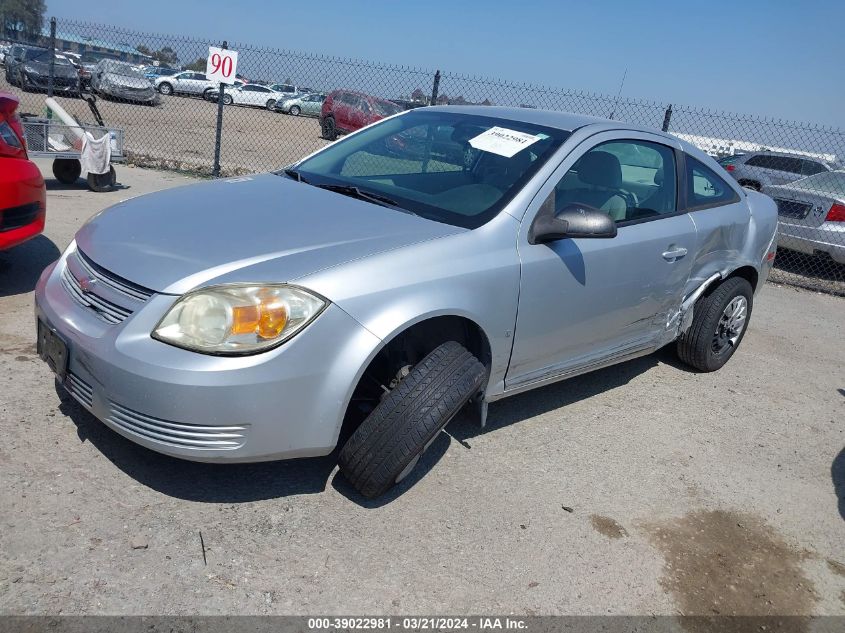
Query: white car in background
[252, 95]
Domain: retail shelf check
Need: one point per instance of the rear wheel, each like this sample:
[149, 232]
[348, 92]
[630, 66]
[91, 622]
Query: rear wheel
[387, 445]
[102, 182]
[329, 129]
[165, 88]
[208, 94]
[67, 170]
[271, 103]
[719, 323]
[295, 110]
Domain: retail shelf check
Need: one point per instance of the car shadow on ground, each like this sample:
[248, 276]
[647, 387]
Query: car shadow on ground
[53, 184]
[237, 483]
[837, 474]
[21, 266]
[557, 395]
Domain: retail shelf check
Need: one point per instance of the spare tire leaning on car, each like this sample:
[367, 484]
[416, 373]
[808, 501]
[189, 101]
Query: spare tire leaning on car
[384, 449]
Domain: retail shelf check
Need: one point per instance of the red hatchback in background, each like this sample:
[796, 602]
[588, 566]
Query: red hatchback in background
[23, 197]
[345, 111]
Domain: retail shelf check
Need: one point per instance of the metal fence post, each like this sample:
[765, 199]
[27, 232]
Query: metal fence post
[52, 56]
[667, 118]
[215, 170]
[435, 88]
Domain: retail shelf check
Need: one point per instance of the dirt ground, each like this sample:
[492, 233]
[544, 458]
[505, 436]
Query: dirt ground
[644, 488]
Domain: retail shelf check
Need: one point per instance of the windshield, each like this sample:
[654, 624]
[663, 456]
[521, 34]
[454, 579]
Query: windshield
[120, 68]
[828, 181]
[432, 164]
[729, 160]
[386, 108]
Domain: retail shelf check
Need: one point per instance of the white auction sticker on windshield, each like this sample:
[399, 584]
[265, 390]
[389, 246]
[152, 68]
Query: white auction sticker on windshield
[502, 141]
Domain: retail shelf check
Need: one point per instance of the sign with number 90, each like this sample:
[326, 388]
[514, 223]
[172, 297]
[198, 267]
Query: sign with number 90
[221, 65]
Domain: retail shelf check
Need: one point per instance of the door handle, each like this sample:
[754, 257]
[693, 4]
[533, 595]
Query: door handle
[674, 254]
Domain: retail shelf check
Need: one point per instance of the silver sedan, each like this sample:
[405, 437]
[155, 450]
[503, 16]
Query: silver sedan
[812, 214]
[305, 104]
[439, 259]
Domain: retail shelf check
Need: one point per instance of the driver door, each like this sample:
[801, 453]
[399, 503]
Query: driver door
[588, 302]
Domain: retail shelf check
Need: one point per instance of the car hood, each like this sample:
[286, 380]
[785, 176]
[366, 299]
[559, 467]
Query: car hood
[263, 228]
[126, 81]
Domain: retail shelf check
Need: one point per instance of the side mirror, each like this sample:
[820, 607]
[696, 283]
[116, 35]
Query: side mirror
[574, 220]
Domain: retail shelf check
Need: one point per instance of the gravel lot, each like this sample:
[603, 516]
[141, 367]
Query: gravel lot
[639, 489]
[178, 133]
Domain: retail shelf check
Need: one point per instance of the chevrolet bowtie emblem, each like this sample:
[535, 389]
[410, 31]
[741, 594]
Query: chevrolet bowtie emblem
[86, 284]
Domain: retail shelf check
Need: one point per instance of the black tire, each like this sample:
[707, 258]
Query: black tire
[704, 345]
[67, 170]
[23, 82]
[165, 88]
[207, 94]
[395, 434]
[271, 103]
[329, 128]
[295, 110]
[102, 182]
[227, 99]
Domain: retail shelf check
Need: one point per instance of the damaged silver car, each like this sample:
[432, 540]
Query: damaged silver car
[119, 80]
[442, 258]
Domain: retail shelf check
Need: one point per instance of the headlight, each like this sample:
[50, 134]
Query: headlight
[238, 319]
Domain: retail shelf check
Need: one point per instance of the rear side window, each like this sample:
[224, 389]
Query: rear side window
[705, 188]
[811, 168]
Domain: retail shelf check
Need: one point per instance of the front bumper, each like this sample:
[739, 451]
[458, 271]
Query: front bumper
[23, 201]
[285, 403]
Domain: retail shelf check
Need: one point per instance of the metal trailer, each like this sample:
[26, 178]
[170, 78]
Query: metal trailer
[61, 142]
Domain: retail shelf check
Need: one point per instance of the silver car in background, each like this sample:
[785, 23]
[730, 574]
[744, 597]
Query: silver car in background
[119, 80]
[371, 293]
[756, 170]
[307, 104]
[812, 214]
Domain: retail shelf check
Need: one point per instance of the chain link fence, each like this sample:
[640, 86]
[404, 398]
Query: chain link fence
[168, 111]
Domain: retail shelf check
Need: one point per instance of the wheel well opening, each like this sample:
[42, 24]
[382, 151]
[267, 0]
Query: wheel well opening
[406, 349]
[748, 273]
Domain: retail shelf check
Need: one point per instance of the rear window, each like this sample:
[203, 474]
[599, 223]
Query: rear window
[386, 108]
[729, 160]
[705, 188]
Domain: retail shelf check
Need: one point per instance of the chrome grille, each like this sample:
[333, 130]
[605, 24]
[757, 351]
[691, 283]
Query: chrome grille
[79, 389]
[177, 434]
[793, 208]
[106, 310]
[109, 296]
[113, 281]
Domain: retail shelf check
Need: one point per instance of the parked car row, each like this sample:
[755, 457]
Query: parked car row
[28, 68]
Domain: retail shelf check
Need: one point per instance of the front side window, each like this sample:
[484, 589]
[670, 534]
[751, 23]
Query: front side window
[428, 164]
[705, 188]
[628, 179]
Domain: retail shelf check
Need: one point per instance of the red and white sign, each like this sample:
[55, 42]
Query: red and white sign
[222, 64]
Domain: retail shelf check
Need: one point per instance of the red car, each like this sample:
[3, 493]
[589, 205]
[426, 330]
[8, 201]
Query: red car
[345, 111]
[23, 197]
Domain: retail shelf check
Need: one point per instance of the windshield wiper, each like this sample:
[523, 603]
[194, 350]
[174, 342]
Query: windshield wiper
[292, 173]
[375, 198]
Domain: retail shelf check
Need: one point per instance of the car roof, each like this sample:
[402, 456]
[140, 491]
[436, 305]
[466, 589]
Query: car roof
[567, 121]
[765, 152]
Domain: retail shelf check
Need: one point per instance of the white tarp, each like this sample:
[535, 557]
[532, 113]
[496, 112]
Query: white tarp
[96, 154]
